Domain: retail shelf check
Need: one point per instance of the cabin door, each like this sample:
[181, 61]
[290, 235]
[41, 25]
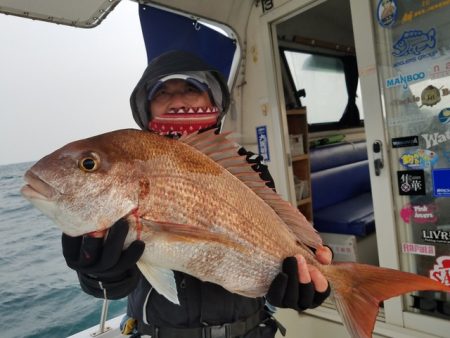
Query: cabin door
[404, 67]
[403, 59]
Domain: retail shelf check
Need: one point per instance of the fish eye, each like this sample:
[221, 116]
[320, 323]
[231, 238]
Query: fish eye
[89, 163]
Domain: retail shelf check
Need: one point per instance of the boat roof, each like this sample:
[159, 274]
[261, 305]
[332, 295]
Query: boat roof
[91, 13]
[80, 13]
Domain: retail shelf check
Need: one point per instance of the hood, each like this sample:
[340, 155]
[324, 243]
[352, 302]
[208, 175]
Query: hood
[176, 62]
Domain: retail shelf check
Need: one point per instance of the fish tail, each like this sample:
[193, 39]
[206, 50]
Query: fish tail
[359, 288]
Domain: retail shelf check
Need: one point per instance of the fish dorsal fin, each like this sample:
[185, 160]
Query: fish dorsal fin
[224, 151]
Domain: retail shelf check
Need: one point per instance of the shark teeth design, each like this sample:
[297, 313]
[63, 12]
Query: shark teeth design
[193, 110]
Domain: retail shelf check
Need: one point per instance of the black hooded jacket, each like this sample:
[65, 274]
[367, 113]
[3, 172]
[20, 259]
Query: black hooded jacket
[201, 303]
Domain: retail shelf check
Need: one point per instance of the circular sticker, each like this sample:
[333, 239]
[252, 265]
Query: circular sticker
[430, 96]
[405, 187]
[387, 12]
[444, 116]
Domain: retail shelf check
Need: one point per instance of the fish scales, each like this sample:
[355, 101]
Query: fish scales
[209, 216]
[206, 204]
[206, 201]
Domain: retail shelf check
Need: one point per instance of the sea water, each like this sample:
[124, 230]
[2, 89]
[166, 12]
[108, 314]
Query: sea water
[39, 295]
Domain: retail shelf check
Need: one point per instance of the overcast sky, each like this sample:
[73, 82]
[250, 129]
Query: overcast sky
[59, 84]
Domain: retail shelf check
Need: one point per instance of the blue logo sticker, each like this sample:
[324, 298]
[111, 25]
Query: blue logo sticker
[444, 116]
[418, 159]
[414, 42]
[404, 80]
[263, 142]
[441, 182]
[387, 12]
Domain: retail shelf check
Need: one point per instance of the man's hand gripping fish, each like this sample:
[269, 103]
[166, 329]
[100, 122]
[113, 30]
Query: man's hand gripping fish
[202, 210]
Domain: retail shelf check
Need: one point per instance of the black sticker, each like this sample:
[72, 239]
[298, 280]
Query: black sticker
[402, 142]
[411, 182]
[436, 236]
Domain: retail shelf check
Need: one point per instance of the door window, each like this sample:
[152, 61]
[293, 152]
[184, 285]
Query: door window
[412, 46]
[323, 80]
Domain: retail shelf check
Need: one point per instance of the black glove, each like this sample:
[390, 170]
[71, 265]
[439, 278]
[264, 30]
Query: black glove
[102, 265]
[286, 291]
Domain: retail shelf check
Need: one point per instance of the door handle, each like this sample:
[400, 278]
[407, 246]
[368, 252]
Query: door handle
[378, 161]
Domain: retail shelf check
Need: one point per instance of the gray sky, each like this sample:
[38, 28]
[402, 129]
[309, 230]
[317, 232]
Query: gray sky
[59, 84]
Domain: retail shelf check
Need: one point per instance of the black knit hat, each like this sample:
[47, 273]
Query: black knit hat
[176, 62]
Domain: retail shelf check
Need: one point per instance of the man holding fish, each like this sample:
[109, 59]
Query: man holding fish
[177, 94]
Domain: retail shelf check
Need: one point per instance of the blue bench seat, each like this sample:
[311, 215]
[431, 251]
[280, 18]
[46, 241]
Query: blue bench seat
[341, 192]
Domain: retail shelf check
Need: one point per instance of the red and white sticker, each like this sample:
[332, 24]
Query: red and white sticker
[419, 249]
[422, 213]
[441, 270]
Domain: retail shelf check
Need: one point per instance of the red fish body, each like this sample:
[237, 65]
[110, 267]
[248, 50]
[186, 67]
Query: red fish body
[202, 210]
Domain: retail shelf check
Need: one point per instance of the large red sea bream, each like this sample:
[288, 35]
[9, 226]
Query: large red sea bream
[202, 210]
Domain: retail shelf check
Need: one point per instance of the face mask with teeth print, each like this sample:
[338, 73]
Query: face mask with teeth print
[184, 120]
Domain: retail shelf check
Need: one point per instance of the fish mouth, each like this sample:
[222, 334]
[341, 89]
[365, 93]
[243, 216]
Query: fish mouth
[36, 188]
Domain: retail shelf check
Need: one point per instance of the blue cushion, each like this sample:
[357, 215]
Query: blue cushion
[337, 154]
[353, 216]
[338, 184]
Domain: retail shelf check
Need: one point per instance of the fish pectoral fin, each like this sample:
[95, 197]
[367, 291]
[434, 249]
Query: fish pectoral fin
[162, 279]
[191, 233]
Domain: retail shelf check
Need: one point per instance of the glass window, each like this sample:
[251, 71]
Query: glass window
[415, 87]
[323, 79]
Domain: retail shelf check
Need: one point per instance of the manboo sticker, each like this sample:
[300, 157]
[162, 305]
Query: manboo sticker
[404, 80]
